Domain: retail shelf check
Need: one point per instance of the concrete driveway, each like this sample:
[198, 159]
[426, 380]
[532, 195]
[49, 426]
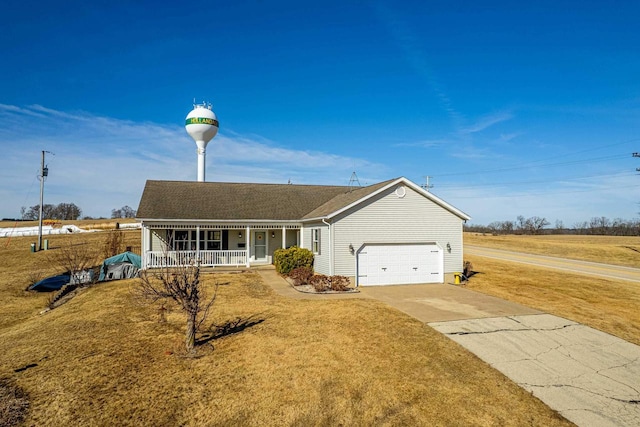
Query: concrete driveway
[589, 377]
[438, 302]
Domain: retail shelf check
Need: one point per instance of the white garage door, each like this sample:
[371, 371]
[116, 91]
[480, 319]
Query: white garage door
[400, 264]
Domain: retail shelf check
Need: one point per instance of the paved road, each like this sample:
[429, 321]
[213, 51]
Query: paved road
[573, 266]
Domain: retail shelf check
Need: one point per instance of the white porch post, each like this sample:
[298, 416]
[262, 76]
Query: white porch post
[247, 240]
[301, 237]
[284, 237]
[197, 243]
[145, 246]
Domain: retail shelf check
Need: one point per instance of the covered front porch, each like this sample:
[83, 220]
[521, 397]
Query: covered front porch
[213, 245]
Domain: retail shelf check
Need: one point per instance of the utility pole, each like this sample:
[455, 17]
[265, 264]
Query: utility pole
[44, 172]
[427, 186]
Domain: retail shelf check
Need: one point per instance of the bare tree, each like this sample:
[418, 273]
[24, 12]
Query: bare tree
[535, 224]
[75, 256]
[62, 211]
[182, 285]
[599, 225]
[113, 243]
[67, 211]
[123, 212]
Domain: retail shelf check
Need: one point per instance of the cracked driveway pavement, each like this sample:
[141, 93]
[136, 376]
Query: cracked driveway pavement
[589, 377]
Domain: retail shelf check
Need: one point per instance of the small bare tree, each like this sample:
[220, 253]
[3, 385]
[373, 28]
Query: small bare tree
[75, 255]
[113, 244]
[182, 285]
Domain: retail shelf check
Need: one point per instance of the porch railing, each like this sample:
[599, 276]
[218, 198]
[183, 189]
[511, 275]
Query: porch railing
[155, 259]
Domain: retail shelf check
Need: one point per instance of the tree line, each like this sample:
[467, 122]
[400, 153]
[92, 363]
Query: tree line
[61, 211]
[68, 211]
[602, 226]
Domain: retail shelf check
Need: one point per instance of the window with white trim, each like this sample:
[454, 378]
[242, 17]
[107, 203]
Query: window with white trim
[185, 240]
[211, 240]
[315, 240]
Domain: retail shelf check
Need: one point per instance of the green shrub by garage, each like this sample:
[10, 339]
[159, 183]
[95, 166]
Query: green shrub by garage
[286, 260]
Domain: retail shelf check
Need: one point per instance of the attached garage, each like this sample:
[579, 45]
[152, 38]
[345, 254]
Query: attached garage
[397, 264]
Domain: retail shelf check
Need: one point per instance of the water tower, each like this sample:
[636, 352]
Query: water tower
[202, 126]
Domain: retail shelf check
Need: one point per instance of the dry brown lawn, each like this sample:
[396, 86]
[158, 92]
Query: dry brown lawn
[607, 305]
[606, 249]
[104, 359]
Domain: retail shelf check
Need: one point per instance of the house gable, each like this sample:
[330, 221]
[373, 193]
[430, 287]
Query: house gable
[391, 216]
[346, 202]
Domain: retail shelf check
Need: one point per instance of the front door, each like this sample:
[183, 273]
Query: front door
[260, 245]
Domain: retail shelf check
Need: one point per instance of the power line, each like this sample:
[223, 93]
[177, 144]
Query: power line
[536, 193]
[542, 181]
[520, 167]
[534, 162]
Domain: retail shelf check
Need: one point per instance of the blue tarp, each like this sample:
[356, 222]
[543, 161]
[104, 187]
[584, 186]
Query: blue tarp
[124, 258]
[52, 283]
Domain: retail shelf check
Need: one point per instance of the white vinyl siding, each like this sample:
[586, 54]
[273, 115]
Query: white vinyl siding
[321, 261]
[388, 218]
[158, 240]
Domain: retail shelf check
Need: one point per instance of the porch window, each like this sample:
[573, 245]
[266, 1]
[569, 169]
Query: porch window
[181, 241]
[185, 240]
[315, 240]
[211, 240]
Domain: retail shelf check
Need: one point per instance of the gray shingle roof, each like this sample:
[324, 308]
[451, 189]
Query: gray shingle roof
[236, 201]
[344, 199]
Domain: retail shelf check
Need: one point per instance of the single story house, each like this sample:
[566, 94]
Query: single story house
[392, 232]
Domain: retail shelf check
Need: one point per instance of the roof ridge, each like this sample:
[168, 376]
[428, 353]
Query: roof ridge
[244, 183]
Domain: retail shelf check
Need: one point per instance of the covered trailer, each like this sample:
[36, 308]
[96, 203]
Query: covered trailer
[122, 266]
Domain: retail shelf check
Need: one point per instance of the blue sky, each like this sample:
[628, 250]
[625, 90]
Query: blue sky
[511, 108]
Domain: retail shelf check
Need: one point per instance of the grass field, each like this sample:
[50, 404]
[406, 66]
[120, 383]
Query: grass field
[606, 249]
[607, 305]
[104, 359]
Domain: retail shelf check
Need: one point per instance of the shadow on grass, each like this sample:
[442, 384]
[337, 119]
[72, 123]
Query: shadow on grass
[470, 274]
[230, 327]
[14, 403]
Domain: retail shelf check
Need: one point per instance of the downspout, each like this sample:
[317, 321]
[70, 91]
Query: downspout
[330, 247]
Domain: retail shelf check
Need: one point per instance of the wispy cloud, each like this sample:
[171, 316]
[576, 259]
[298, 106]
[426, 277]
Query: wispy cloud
[102, 163]
[486, 122]
[408, 42]
[427, 143]
[506, 137]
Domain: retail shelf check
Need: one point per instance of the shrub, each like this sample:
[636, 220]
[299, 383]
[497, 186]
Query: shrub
[468, 268]
[339, 283]
[286, 260]
[320, 283]
[300, 275]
